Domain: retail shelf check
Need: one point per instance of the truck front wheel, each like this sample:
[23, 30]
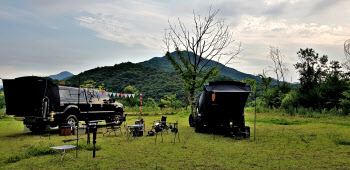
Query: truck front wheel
[71, 120]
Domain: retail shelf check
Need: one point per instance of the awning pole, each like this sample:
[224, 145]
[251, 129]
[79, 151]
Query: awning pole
[255, 118]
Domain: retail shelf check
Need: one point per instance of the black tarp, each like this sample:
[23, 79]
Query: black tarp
[24, 95]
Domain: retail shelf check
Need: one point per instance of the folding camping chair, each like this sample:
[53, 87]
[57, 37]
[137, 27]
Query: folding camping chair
[113, 125]
[160, 126]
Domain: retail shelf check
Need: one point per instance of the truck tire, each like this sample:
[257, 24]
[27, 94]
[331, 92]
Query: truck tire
[71, 120]
[191, 121]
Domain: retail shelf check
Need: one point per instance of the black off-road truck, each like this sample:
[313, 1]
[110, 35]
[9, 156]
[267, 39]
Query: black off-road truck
[41, 104]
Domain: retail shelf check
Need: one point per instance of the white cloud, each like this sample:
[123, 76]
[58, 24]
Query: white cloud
[264, 29]
[129, 23]
[276, 2]
[137, 27]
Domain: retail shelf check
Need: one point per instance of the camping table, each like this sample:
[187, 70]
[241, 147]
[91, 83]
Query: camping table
[133, 128]
[64, 148]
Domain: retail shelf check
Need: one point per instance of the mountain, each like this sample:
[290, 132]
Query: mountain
[62, 76]
[150, 82]
[164, 64]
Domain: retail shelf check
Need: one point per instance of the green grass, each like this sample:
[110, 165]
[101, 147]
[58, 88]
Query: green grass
[278, 121]
[281, 141]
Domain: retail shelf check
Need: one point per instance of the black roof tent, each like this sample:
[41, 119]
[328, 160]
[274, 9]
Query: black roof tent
[23, 95]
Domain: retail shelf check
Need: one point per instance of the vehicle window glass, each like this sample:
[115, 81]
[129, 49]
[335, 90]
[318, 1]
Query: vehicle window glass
[74, 95]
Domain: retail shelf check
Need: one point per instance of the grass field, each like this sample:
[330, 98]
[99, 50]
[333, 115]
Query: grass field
[282, 142]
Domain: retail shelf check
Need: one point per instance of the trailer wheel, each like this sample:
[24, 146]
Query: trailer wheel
[247, 132]
[71, 120]
[191, 121]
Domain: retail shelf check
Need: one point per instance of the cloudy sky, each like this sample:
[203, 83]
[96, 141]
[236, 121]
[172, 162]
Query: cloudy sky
[46, 37]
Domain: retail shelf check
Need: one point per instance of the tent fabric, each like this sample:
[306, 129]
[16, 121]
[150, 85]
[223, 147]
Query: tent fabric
[227, 86]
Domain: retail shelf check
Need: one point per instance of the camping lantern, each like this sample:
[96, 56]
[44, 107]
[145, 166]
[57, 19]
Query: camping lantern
[213, 97]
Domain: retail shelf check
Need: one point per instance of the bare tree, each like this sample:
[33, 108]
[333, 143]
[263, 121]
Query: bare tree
[196, 47]
[279, 68]
[346, 63]
[347, 49]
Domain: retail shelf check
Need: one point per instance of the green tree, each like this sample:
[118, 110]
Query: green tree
[151, 103]
[291, 100]
[266, 81]
[130, 90]
[131, 101]
[2, 100]
[312, 70]
[170, 97]
[251, 82]
[273, 97]
[88, 84]
[345, 102]
[178, 104]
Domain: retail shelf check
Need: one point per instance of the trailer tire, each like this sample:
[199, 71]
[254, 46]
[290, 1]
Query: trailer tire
[247, 132]
[71, 120]
[198, 127]
[191, 121]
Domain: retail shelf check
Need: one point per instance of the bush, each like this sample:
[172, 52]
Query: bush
[273, 97]
[13, 159]
[2, 100]
[290, 110]
[39, 150]
[291, 100]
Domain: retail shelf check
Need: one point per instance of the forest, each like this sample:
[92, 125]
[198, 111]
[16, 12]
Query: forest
[323, 86]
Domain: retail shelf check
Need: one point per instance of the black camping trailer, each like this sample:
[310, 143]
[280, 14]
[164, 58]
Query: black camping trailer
[41, 104]
[221, 106]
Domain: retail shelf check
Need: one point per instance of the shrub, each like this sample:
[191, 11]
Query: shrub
[291, 99]
[13, 159]
[39, 150]
[290, 110]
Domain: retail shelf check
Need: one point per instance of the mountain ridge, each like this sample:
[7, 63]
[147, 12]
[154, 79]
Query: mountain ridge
[164, 64]
[64, 75]
[150, 82]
